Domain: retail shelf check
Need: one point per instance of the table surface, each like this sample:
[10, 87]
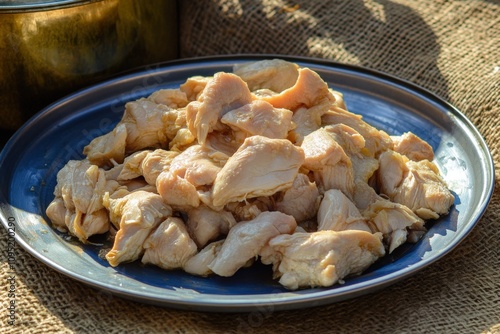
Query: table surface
[448, 47]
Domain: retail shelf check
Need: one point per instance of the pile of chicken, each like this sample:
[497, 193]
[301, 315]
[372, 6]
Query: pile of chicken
[261, 164]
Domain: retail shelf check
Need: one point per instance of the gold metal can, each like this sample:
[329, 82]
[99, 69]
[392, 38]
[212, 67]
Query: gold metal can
[49, 49]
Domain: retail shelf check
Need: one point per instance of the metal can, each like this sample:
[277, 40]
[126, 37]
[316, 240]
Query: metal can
[50, 48]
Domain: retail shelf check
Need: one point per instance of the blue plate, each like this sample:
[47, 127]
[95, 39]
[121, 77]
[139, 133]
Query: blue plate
[30, 160]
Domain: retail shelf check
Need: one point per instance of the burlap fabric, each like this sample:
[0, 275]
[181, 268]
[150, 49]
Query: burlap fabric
[450, 47]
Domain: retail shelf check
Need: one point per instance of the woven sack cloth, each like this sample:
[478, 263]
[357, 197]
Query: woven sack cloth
[449, 47]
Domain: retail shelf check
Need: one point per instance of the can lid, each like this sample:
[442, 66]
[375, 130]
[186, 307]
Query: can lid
[37, 5]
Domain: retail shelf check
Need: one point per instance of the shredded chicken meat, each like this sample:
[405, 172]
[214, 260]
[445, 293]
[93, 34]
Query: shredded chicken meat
[262, 164]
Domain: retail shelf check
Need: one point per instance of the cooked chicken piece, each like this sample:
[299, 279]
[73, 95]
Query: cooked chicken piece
[177, 191]
[321, 150]
[182, 140]
[142, 127]
[261, 93]
[250, 208]
[156, 162]
[260, 167]
[339, 99]
[198, 164]
[321, 258]
[353, 145]
[176, 129]
[198, 264]
[195, 167]
[413, 147]
[131, 168]
[275, 74]
[364, 167]
[224, 142]
[172, 98]
[56, 212]
[308, 91]
[120, 192]
[364, 195]
[79, 190]
[417, 185]
[141, 168]
[169, 246]
[206, 225]
[260, 118]
[339, 176]
[136, 214]
[223, 93]
[338, 213]
[301, 200]
[84, 226]
[138, 184]
[145, 128]
[299, 229]
[113, 172]
[65, 177]
[308, 120]
[194, 86]
[174, 120]
[331, 166]
[376, 141]
[108, 148]
[349, 139]
[394, 221]
[245, 240]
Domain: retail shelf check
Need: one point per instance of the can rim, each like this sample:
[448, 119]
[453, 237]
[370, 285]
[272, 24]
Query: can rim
[17, 6]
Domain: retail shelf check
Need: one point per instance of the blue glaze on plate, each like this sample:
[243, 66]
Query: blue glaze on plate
[30, 160]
